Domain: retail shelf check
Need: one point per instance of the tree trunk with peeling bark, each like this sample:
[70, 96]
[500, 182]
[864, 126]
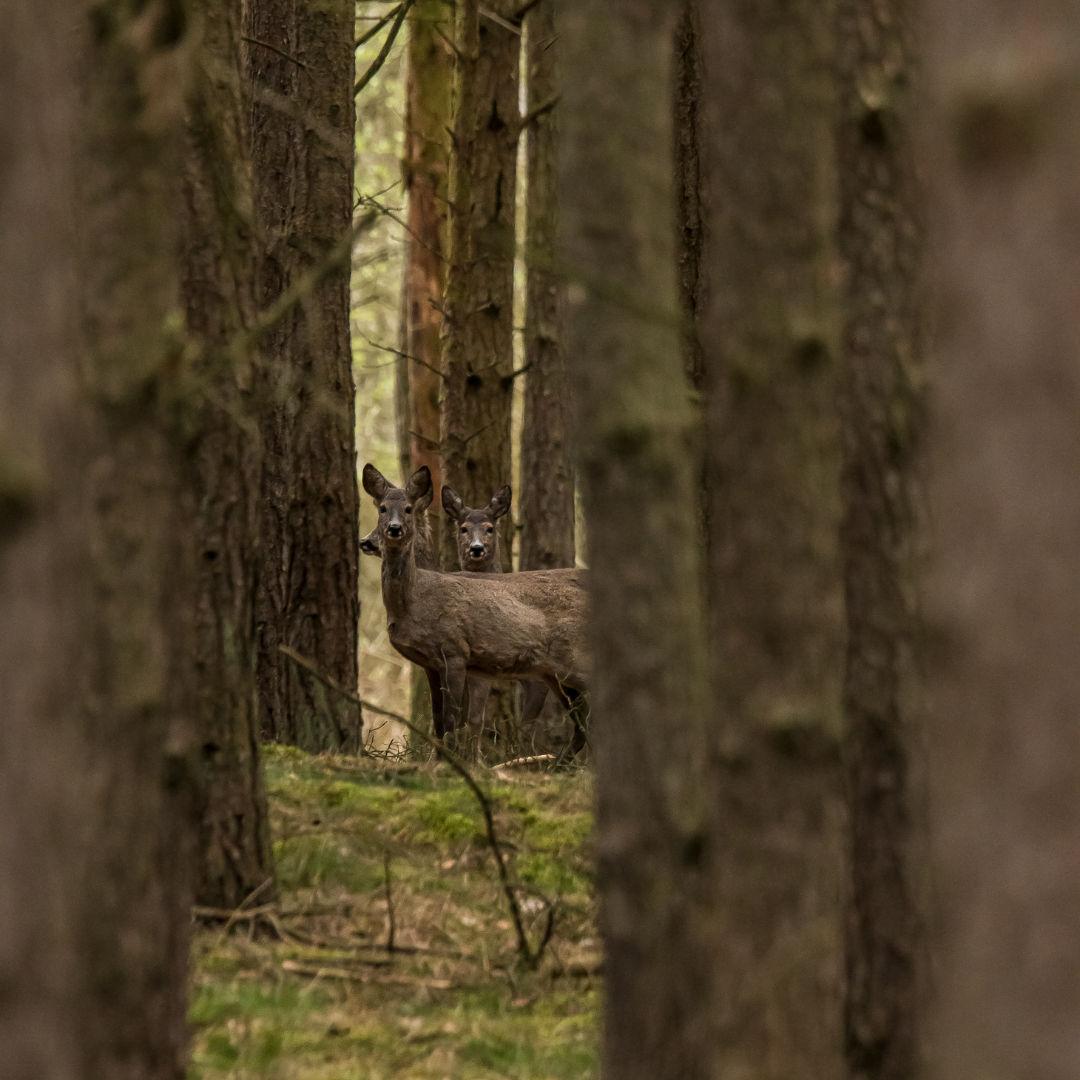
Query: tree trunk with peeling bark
[218, 282]
[1004, 594]
[635, 431]
[94, 761]
[546, 499]
[300, 66]
[773, 911]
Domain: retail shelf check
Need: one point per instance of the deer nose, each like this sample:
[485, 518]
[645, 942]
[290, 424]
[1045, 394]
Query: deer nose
[477, 551]
[394, 531]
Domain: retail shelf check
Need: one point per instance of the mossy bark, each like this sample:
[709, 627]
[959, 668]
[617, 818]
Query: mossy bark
[94, 890]
[1004, 595]
[635, 429]
[478, 344]
[879, 246]
[773, 910]
[218, 282]
[302, 152]
[546, 500]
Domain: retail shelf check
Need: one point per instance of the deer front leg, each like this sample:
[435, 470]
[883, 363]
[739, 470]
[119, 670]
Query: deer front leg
[437, 704]
[478, 690]
[456, 698]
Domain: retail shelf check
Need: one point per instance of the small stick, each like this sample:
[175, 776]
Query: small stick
[389, 903]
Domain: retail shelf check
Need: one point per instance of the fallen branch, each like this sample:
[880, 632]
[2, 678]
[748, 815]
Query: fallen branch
[531, 958]
[362, 976]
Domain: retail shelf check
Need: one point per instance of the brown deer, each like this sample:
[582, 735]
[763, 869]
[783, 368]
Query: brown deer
[501, 626]
[478, 553]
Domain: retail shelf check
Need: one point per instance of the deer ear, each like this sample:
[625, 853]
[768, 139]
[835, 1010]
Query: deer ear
[452, 504]
[500, 502]
[419, 483]
[421, 503]
[375, 484]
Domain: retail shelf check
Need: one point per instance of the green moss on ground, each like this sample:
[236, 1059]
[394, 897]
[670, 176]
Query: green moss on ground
[328, 1002]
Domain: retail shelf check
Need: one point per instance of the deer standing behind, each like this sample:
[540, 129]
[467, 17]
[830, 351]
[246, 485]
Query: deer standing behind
[478, 553]
[501, 626]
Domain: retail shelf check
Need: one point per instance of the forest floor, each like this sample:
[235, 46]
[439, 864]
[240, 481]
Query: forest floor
[331, 1001]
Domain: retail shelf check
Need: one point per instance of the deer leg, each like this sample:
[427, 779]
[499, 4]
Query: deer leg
[455, 700]
[533, 695]
[478, 695]
[577, 708]
[437, 704]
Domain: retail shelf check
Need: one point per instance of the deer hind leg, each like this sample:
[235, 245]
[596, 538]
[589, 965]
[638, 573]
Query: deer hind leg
[437, 702]
[478, 690]
[455, 697]
[577, 708]
[533, 695]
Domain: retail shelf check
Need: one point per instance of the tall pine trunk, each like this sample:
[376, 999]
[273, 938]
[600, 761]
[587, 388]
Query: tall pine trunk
[635, 430]
[1004, 597]
[302, 153]
[546, 499]
[478, 346]
[777, 862]
[218, 282]
[879, 245]
[94, 891]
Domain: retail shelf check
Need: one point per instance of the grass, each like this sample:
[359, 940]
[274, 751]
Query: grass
[329, 1002]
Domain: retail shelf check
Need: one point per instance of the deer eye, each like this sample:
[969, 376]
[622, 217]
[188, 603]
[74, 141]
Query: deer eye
[491, 529]
[408, 509]
[464, 529]
[382, 509]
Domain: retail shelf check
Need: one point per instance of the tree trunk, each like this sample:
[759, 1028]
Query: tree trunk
[302, 152]
[879, 246]
[774, 905]
[94, 894]
[218, 260]
[478, 346]
[635, 429]
[1004, 597]
[427, 165]
[546, 499]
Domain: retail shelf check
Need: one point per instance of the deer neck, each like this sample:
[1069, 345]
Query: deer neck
[398, 579]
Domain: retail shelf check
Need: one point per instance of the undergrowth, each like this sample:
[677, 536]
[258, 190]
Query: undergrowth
[452, 1000]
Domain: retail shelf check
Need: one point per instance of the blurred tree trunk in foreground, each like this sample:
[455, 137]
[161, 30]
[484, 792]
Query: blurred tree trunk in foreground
[302, 153]
[635, 430]
[1004, 597]
[879, 244]
[94, 773]
[546, 499]
[218, 261]
[777, 822]
[478, 350]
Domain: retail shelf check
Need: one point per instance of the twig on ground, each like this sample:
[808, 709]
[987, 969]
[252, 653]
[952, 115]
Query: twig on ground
[533, 759]
[363, 977]
[528, 955]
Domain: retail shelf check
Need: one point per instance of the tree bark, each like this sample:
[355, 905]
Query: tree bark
[302, 152]
[218, 282]
[635, 430]
[879, 245]
[427, 175]
[1004, 595]
[546, 499]
[478, 345]
[773, 909]
[94, 894]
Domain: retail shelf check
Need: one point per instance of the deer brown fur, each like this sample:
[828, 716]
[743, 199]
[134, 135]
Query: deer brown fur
[526, 625]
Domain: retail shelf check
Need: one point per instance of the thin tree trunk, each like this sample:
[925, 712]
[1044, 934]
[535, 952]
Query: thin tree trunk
[478, 346]
[218, 282]
[94, 893]
[302, 152]
[635, 428]
[879, 245]
[773, 909]
[1004, 596]
[427, 173]
[546, 500]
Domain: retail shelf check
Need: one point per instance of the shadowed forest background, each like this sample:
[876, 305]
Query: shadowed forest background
[704, 701]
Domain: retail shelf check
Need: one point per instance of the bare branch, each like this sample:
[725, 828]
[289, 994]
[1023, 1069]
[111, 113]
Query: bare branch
[384, 52]
[498, 20]
[365, 38]
[274, 49]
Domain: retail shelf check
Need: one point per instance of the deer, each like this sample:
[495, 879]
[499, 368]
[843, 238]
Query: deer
[478, 553]
[499, 626]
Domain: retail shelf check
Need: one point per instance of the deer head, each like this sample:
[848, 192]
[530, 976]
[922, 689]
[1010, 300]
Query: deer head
[477, 535]
[398, 507]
